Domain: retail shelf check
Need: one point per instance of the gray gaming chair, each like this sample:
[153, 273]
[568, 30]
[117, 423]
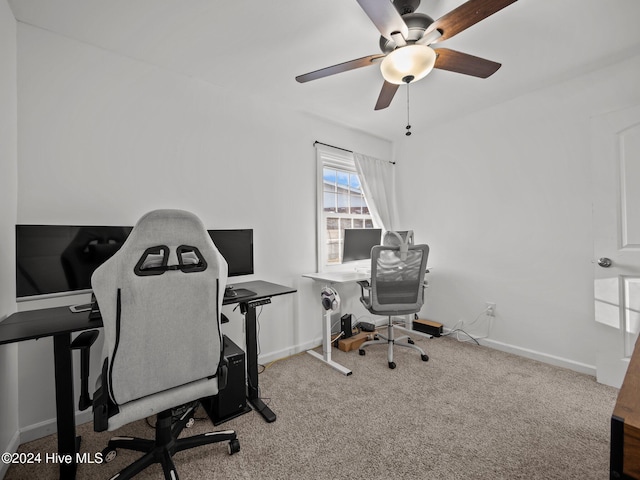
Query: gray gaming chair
[160, 297]
[396, 288]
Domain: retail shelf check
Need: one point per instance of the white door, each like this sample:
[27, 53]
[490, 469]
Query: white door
[616, 213]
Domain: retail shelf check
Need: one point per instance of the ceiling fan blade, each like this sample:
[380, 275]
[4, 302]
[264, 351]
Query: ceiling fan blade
[339, 68]
[384, 16]
[465, 16]
[386, 95]
[459, 62]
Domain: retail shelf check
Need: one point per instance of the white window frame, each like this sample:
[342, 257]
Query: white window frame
[340, 160]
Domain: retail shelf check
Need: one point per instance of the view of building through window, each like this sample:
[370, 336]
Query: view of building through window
[344, 206]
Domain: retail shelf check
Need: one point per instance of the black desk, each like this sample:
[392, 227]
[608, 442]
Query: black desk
[60, 323]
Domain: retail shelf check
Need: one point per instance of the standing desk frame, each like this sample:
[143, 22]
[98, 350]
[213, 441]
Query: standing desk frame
[329, 279]
[263, 291]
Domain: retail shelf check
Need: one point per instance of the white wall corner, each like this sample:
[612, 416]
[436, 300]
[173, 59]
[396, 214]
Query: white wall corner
[11, 447]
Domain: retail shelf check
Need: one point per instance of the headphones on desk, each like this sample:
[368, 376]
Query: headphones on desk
[330, 299]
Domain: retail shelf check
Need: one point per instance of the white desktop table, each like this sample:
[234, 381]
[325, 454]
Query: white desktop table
[331, 278]
[339, 277]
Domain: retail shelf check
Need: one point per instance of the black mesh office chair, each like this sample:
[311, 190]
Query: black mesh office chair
[160, 297]
[396, 288]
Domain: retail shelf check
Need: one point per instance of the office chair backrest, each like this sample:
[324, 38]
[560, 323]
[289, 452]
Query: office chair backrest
[160, 297]
[397, 283]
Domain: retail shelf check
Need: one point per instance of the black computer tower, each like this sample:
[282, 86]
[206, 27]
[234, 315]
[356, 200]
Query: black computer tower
[232, 401]
[345, 325]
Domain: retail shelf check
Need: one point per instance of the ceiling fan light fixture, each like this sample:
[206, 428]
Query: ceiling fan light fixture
[412, 60]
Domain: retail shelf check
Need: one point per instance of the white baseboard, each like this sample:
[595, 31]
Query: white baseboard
[540, 356]
[11, 447]
[289, 351]
[48, 427]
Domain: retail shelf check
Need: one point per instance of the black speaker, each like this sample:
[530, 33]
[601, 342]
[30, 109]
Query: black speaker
[230, 402]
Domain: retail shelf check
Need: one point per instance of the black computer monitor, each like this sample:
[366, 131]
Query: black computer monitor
[358, 243]
[236, 246]
[59, 259]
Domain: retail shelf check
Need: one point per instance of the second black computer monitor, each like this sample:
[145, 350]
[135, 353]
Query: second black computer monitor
[236, 246]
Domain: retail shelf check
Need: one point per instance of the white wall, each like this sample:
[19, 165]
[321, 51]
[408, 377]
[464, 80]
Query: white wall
[102, 139]
[503, 197]
[8, 196]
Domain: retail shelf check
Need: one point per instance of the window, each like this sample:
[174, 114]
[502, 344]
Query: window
[341, 204]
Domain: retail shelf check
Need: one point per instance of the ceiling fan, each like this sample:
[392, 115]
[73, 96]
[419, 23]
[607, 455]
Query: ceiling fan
[406, 42]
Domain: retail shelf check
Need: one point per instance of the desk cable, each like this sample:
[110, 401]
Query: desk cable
[455, 330]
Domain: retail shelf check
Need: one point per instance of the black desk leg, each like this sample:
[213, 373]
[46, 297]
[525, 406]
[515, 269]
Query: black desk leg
[65, 414]
[253, 393]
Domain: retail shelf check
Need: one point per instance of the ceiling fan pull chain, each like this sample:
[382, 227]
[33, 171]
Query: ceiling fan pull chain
[408, 122]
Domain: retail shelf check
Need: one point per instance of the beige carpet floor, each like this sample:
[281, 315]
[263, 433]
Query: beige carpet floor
[469, 413]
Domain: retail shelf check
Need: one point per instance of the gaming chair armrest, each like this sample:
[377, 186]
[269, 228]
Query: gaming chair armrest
[83, 343]
[101, 402]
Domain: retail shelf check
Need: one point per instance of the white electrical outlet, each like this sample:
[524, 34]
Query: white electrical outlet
[491, 309]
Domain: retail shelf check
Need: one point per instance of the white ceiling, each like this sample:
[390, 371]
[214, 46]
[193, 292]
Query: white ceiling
[259, 47]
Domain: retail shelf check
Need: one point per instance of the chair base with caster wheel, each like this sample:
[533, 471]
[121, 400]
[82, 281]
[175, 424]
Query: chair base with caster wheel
[165, 445]
[391, 341]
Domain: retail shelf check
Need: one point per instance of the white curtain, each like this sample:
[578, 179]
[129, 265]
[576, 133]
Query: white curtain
[378, 183]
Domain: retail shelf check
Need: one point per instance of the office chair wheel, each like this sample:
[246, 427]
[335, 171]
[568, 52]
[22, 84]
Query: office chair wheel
[362, 351]
[410, 342]
[425, 357]
[190, 423]
[234, 446]
[392, 365]
[108, 454]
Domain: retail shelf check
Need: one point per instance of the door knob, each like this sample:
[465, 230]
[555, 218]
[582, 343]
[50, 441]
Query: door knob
[605, 262]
